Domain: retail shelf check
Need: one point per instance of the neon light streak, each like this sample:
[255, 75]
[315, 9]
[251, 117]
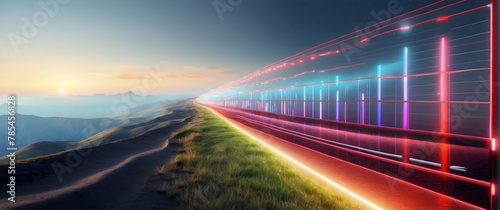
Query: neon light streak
[312, 102]
[404, 28]
[492, 69]
[304, 107]
[337, 107]
[405, 94]
[443, 83]
[362, 108]
[354, 195]
[493, 144]
[440, 19]
[383, 77]
[379, 97]
[320, 105]
[337, 103]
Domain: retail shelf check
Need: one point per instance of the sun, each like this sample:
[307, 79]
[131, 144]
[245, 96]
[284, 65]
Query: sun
[61, 89]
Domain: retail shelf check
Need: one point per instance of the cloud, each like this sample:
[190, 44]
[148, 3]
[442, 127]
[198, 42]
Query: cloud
[188, 76]
[187, 67]
[214, 69]
[127, 77]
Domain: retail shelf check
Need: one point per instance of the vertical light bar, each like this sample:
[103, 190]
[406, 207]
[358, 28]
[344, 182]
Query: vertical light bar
[282, 109]
[443, 92]
[345, 111]
[312, 102]
[379, 97]
[492, 68]
[494, 77]
[337, 107]
[320, 104]
[406, 113]
[304, 109]
[362, 108]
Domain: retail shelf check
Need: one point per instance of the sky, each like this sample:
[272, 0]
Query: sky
[160, 47]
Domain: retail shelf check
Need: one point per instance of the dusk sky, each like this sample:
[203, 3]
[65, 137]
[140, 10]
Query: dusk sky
[90, 47]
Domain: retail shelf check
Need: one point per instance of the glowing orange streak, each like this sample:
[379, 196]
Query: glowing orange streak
[334, 184]
[385, 175]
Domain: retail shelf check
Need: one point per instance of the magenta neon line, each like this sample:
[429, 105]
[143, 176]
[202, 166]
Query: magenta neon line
[405, 91]
[337, 107]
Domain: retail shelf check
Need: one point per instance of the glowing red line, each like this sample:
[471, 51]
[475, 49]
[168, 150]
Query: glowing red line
[466, 11]
[295, 75]
[368, 78]
[385, 175]
[390, 19]
[384, 26]
[368, 126]
[300, 164]
[388, 101]
[363, 40]
[390, 31]
[421, 168]
[442, 18]
[444, 107]
[313, 48]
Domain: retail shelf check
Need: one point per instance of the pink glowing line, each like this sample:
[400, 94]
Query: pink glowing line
[443, 97]
[369, 126]
[321, 46]
[492, 68]
[388, 101]
[356, 196]
[388, 160]
[405, 94]
[337, 107]
[387, 32]
[370, 78]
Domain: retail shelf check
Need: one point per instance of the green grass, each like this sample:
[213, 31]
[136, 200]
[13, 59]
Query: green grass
[218, 167]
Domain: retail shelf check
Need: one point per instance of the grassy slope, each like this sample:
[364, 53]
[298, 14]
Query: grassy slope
[218, 167]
